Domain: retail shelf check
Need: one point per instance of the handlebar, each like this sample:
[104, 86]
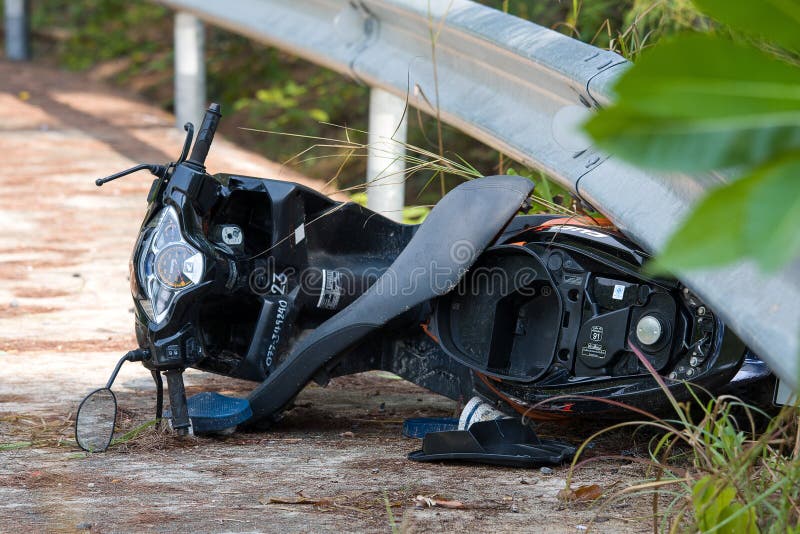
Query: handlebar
[198, 158]
[206, 135]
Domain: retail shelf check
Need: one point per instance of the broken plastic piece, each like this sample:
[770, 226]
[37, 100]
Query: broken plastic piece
[500, 442]
[419, 427]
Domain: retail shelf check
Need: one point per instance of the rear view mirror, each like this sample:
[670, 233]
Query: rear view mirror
[94, 424]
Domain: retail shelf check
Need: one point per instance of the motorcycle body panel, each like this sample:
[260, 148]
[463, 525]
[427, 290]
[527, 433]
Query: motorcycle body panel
[273, 282]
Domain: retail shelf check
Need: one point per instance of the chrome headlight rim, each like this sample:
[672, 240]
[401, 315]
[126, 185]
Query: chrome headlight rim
[159, 295]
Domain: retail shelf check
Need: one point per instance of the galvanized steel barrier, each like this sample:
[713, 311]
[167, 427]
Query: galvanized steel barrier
[523, 90]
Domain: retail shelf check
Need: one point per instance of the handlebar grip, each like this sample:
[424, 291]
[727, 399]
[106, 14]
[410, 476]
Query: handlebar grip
[206, 135]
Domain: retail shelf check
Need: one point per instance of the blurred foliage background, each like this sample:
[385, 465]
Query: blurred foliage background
[129, 43]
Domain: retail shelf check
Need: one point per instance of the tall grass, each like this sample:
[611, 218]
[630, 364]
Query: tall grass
[417, 160]
[713, 468]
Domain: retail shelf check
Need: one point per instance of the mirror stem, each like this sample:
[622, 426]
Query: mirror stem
[132, 356]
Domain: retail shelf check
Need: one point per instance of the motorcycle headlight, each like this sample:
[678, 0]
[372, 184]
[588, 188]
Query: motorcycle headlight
[167, 265]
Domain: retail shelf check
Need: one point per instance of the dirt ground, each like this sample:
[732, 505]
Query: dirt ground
[66, 317]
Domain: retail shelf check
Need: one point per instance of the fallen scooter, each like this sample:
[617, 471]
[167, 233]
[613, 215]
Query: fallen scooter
[272, 282]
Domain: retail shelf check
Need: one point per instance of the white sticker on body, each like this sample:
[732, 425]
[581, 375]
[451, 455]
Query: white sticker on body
[619, 292]
[232, 235]
[331, 290]
[299, 233]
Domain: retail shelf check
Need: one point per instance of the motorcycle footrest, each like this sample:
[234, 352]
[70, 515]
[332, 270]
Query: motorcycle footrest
[212, 412]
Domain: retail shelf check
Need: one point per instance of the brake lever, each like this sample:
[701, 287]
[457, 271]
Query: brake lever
[187, 142]
[157, 170]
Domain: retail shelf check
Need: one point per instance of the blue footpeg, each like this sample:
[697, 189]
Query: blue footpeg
[212, 412]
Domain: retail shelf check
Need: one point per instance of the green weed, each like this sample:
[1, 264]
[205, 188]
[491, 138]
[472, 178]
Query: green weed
[710, 469]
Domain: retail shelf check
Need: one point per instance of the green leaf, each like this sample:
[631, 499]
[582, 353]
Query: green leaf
[15, 445]
[415, 214]
[776, 21]
[359, 198]
[319, 115]
[701, 102]
[772, 226]
[757, 216]
[712, 234]
[743, 523]
[714, 502]
[708, 502]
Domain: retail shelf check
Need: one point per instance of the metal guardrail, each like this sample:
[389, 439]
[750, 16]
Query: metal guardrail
[521, 89]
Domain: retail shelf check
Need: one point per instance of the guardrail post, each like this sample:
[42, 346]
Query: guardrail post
[386, 154]
[16, 28]
[190, 70]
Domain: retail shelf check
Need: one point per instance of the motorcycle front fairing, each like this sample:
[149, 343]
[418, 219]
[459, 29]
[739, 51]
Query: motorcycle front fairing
[268, 249]
[173, 267]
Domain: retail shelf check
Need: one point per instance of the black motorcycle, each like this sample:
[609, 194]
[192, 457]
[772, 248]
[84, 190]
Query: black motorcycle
[275, 283]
